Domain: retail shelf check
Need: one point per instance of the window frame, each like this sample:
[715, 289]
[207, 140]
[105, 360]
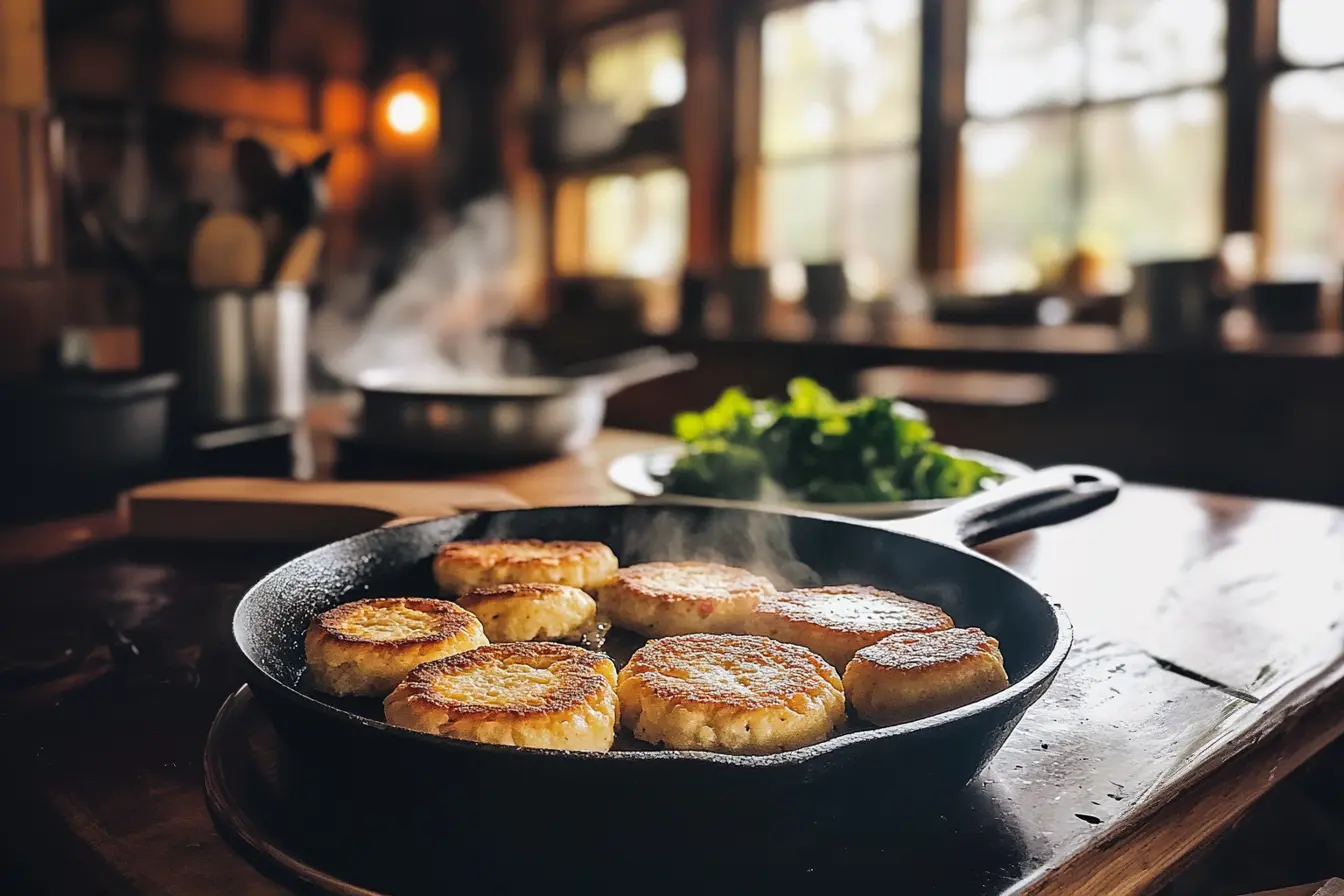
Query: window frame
[1269, 64]
[1076, 112]
[750, 162]
[1253, 62]
[567, 207]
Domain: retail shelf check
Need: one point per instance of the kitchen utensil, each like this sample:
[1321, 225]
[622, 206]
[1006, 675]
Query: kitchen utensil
[748, 288]
[1287, 307]
[258, 174]
[673, 792]
[303, 198]
[244, 355]
[76, 437]
[300, 261]
[244, 509]
[637, 472]
[503, 419]
[827, 295]
[1175, 303]
[228, 251]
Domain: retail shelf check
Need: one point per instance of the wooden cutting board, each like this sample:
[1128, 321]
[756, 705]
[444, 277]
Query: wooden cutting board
[236, 509]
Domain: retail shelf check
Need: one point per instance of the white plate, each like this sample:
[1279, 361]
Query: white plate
[637, 472]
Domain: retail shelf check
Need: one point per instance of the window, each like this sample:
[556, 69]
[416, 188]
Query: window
[635, 225]
[637, 68]
[839, 127]
[1094, 123]
[1306, 142]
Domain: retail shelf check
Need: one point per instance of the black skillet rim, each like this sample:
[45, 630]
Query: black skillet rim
[261, 679]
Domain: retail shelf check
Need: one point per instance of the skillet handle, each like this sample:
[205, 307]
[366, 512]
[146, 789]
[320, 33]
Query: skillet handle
[641, 367]
[1044, 498]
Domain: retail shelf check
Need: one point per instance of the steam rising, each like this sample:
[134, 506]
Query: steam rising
[759, 542]
[439, 323]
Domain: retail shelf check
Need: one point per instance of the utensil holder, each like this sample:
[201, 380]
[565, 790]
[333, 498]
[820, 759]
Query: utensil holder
[244, 356]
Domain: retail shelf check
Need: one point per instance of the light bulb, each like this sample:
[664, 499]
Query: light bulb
[407, 112]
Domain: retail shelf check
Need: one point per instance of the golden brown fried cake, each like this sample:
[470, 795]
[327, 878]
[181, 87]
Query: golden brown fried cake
[552, 696]
[365, 647]
[729, 694]
[461, 566]
[911, 676]
[531, 612]
[838, 620]
[660, 599]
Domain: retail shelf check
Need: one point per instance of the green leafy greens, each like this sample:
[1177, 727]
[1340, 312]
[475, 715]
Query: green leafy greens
[817, 448]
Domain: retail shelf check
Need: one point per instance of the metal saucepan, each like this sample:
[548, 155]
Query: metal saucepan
[508, 419]
[480, 788]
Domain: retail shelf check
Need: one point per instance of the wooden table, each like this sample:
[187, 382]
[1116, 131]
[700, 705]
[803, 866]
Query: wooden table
[1209, 663]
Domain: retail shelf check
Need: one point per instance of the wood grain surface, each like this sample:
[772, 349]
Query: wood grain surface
[235, 508]
[1207, 667]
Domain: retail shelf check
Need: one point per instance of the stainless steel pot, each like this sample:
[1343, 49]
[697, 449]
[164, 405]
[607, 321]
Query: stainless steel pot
[512, 418]
[245, 356]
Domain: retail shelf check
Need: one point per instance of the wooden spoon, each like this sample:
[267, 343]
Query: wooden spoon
[301, 260]
[227, 250]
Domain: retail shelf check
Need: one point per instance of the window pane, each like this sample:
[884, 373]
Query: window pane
[1154, 176]
[1311, 32]
[1144, 46]
[1023, 53]
[799, 220]
[638, 73]
[841, 74]
[844, 209]
[878, 214]
[636, 226]
[799, 116]
[1017, 197]
[1306, 179]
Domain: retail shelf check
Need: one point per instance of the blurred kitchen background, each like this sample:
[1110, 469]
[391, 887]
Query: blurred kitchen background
[1108, 231]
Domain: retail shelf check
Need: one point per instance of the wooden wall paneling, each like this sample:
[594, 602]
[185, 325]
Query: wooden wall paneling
[96, 67]
[30, 317]
[573, 18]
[88, 66]
[942, 110]
[314, 35]
[746, 136]
[22, 55]
[13, 191]
[1252, 58]
[706, 114]
[218, 25]
[345, 108]
[524, 87]
[217, 88]
[569, 252]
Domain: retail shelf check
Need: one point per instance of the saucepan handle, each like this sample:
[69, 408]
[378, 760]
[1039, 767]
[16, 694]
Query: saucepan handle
[1043, 498]
[638, 367]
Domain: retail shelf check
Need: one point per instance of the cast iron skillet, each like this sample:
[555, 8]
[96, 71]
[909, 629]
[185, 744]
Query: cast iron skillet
[925, 558]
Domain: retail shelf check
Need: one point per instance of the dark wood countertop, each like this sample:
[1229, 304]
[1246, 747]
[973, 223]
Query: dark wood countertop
[1209, 662]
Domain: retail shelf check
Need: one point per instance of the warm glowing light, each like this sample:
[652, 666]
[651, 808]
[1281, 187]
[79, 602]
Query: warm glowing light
[407, 112]
[406, 123]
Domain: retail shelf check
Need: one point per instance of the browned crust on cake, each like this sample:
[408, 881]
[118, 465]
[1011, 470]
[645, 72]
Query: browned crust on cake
[488, 553]
[477, 597]
[451, 621]
[900, 613]
[580, 676]
[639, 580]
[929, 650]
[661, 667]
